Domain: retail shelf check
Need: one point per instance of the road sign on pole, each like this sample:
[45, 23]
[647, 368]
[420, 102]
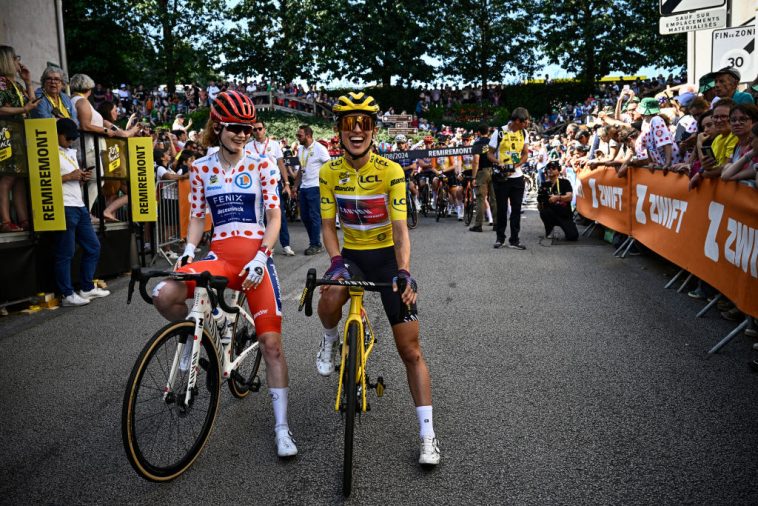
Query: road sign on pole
[671, 7]
[735, 47]
[681, 16]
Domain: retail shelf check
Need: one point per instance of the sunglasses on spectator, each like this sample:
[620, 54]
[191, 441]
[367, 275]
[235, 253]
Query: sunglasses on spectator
[53, 80]
[720, 117]
[258, 129]
[347, 123]
[238, 128]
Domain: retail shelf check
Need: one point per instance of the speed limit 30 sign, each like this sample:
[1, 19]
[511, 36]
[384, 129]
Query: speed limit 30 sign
[735, 47]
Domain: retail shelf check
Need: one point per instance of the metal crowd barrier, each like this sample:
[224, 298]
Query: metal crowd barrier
[167, 226]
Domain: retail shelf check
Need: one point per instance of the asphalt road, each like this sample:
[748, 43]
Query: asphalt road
[561, 375]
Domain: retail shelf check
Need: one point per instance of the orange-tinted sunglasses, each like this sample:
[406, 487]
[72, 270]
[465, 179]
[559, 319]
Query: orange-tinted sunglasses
[347, 123]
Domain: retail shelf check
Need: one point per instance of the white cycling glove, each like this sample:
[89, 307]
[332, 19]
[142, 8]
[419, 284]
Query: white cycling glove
[256, 268]
[187, 256]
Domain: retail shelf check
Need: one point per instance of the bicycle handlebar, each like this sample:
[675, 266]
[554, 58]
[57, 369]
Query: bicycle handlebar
[203, 279]
[311, 282]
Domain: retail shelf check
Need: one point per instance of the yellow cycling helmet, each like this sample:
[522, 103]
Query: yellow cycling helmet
[355, 102]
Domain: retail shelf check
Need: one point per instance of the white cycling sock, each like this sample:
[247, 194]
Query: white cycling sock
[279, 400]
[425, 421]
[331, 335]
[489, 215]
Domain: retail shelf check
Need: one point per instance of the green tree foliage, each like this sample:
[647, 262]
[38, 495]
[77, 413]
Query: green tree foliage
[266, 38]
[595, 37]
[147, 41]
[373, 40]
[172, 28]
[100, 45]
[482, 41]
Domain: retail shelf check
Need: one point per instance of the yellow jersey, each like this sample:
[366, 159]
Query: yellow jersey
[368, 200]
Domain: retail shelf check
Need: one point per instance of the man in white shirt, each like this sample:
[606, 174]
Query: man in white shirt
[78, 225]
[261, 145]
[213, 90]
[312, 155]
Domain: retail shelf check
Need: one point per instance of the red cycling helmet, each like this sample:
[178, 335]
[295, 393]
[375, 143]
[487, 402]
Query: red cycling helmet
[233, 107]
[323, 142]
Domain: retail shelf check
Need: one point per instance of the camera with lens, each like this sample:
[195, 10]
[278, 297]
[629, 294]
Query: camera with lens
[543, 196]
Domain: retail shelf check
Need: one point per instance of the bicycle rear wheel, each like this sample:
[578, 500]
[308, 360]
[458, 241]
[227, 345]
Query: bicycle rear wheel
[244, 379]
[162, 433]
[350, 386]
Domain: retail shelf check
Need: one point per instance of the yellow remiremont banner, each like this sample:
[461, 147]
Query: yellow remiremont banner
[142, 179]
[45, 185]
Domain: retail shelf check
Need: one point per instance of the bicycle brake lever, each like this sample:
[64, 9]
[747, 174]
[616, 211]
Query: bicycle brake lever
[307, 298]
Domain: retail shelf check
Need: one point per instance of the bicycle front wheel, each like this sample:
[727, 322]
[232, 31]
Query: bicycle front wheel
[412, 211]
[441, 204]
[468, 212]
[162, 432]
[245, 378]
[350, 386]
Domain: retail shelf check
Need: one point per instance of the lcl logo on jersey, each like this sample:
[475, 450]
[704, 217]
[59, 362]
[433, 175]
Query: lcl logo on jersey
[371, 180]
[243, 181]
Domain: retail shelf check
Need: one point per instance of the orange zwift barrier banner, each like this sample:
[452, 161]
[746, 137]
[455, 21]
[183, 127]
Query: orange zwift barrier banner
[604, 197]
[711, 232]
[184, 209]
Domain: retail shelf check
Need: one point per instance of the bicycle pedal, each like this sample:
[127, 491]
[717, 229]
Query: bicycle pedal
[255, 384]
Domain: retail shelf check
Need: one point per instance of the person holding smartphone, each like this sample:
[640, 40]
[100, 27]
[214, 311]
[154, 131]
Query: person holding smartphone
[16, 102]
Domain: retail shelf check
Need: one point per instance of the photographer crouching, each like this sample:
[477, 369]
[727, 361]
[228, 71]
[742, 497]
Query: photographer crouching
[554, 202]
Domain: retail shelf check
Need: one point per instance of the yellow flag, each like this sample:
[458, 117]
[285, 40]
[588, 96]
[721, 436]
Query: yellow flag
[45, 183]
[142, 179]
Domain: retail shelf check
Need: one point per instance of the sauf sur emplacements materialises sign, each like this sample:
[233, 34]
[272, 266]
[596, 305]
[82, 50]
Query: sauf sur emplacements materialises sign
[681, 16]
[45, 185]
[142, 179]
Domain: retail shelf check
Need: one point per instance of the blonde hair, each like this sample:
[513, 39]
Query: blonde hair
[7, 62]
[209, 137]
[81, 83]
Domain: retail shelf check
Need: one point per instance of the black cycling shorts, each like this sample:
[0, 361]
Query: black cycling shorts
[381, 266]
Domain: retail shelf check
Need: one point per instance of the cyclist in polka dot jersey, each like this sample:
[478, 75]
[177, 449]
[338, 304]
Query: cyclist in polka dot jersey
[238, 188]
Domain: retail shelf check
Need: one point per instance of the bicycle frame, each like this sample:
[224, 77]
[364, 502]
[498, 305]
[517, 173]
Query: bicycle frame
[201, 315]
[358, 315]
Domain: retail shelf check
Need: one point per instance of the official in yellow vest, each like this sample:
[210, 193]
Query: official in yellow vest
[509, 152]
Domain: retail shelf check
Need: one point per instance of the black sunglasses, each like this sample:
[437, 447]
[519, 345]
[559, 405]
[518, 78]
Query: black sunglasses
[258, 129]
[237, 128]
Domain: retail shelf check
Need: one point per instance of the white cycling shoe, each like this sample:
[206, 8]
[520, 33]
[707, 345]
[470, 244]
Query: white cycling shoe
[285, 444]
[326, 357]
[430, 451]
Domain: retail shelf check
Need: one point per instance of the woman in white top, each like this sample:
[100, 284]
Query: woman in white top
[90, 120]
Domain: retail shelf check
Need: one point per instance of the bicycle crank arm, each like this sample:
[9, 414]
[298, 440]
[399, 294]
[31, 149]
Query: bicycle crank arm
[254, 385]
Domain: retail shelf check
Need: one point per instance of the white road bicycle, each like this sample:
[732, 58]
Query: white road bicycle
[172, 397]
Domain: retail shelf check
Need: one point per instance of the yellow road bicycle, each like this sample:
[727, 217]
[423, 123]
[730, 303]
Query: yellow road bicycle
[358, 343]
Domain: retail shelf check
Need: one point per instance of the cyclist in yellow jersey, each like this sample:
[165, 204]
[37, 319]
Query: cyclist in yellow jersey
[368, 192]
